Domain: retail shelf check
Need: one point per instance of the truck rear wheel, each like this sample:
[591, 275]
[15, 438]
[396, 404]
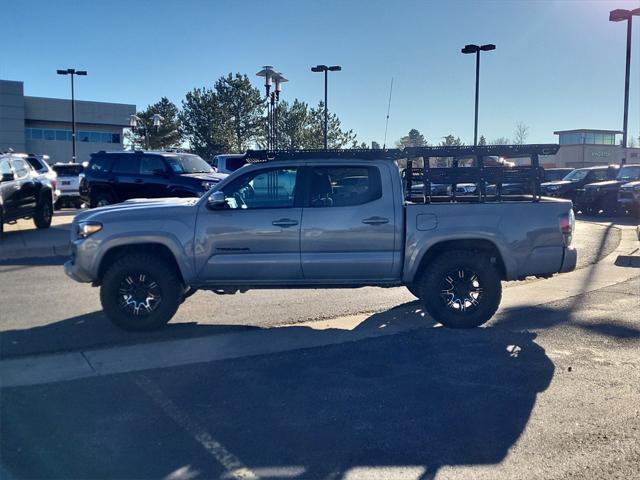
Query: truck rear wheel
[461, 289]
[140, 292]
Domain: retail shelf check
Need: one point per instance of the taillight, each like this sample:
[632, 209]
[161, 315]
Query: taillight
[54, 184]
[567, 222]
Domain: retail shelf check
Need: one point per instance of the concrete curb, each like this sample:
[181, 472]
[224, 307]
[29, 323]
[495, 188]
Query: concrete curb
[59, 250]
[23, 240]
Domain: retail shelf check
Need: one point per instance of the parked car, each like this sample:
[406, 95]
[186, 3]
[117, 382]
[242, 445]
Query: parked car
[553, 174]
[113, 177]
[228, 163]
[40, 163]
[23, 192]
[568, 187]
[68, 185]
[302, 221]
[604, 195]
[629, 198]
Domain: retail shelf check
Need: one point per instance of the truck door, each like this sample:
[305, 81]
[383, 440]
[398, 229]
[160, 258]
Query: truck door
[255, 238]
[348, 225]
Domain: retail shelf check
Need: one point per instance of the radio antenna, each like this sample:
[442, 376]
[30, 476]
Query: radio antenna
[386, 126]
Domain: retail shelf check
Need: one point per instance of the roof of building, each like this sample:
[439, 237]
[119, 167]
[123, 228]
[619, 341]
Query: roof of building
[586, 130]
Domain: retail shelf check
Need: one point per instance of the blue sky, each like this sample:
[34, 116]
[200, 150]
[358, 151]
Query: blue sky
[558, 64]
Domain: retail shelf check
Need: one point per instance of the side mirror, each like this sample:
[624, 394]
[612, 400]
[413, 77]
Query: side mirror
[216, 201]
[8, 177]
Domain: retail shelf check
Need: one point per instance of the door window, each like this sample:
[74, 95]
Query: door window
[272, 188]
[126, 165]
[599, 175]
[150, 164]
[5, 168]
[343, 186]
[21, 168]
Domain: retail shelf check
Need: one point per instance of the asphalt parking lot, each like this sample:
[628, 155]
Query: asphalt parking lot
[338, 384]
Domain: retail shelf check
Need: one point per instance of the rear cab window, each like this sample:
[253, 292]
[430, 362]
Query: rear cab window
[343, 186]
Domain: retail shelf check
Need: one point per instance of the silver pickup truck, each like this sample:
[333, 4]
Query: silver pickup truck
[319, 220]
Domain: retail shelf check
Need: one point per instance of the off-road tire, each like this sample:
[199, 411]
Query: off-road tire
[156, 270]
[435, 276]
[44, 213]
[101, 198]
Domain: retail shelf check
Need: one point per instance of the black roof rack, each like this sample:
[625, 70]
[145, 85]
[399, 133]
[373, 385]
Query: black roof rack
[510, 151]
[255, 156]
[483, 150]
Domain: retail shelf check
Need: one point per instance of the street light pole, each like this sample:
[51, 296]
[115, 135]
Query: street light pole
[618, 16]
[477, 49]
[73, 72]
[273, 98]
[326, 70]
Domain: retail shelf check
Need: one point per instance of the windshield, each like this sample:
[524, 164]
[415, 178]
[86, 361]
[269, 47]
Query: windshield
[188, 164]
[629, 173]
[576, 175]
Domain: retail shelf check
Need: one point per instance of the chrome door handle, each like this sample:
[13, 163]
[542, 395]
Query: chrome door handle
[284, 223]
[375, 220]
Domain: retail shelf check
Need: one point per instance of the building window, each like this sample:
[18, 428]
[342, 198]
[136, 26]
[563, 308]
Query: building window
[66, 135]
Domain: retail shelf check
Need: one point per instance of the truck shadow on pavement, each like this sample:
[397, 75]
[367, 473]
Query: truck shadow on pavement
[389, 406]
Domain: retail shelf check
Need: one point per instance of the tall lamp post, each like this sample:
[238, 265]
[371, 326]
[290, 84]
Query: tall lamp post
[618, 16]
[273, 98]
[73, 72]
[275, 101]
[137, 124]
[477, 49]
[326, 70]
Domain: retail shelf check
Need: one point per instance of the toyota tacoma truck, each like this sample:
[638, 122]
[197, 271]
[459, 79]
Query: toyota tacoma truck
[328, 219]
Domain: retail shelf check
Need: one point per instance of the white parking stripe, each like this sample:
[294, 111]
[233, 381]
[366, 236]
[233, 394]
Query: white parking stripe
[232, 464]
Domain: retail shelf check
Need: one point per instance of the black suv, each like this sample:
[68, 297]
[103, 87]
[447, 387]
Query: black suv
[571, 184]
[113, 177]
[604, 195]
[23, 192]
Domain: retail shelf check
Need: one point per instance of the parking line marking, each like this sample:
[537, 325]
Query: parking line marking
[232, 464]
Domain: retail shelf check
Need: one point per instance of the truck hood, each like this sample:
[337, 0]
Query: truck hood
[206, 177]
[151, 204]
[606, 184]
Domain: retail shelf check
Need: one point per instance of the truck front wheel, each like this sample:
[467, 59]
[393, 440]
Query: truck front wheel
[140, 292]
[461, 289]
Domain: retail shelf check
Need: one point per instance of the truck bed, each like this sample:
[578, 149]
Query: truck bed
[520, 230]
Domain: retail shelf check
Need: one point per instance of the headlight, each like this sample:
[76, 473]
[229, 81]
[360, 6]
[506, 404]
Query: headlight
[88, 228]
[553, 187]
[208, 185]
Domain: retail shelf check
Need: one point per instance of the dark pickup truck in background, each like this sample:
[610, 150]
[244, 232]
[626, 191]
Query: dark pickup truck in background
[568, 186]
[603, 196]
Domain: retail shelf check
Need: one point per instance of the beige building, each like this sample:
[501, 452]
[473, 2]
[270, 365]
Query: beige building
[587, 148]
[43, 125]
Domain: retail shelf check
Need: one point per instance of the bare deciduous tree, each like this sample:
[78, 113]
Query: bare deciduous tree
[521, 133]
